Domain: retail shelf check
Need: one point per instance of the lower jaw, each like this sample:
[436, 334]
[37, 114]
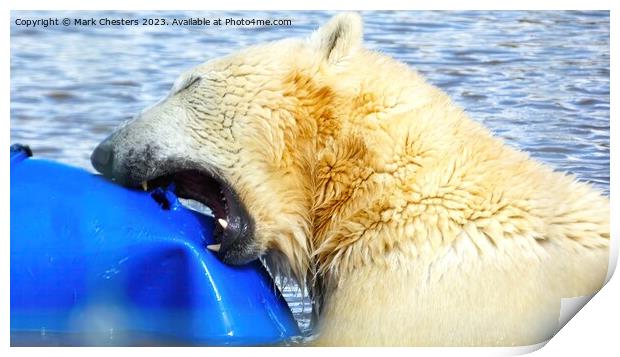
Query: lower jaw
[229, 257]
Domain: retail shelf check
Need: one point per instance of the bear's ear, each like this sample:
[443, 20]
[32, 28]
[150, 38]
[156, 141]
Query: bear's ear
[339, 37]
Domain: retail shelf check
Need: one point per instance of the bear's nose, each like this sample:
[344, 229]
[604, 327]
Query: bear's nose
[102, 157]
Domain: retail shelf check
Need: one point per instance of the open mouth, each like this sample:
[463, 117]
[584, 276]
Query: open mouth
[234, 227]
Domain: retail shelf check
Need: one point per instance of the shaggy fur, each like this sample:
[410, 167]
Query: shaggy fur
[410, 222]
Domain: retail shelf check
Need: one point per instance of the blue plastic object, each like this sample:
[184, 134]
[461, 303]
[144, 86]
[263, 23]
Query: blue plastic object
[93, 263]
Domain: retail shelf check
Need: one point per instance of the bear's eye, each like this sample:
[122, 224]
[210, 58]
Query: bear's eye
[190, 82]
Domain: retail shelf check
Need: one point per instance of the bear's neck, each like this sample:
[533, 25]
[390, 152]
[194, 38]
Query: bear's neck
[333, 133]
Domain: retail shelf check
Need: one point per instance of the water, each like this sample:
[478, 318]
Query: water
[538, 79]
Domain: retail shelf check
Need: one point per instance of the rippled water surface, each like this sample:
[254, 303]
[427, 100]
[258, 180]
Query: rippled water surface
[540, 80]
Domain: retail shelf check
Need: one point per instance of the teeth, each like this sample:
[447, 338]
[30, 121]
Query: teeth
[214, 247]
[145, 186]
[222, 222]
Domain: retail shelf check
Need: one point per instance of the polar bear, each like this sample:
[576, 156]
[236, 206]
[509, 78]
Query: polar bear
[409, 223]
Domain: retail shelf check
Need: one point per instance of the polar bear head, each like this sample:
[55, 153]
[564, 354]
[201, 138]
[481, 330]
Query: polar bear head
[241, 134]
